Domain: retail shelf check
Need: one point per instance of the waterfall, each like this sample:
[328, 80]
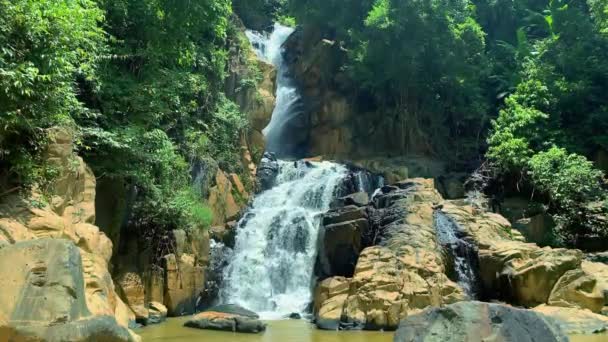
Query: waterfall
[462, 253]
[287, 110]
[271, 266]
[271, 271]
[368, 182]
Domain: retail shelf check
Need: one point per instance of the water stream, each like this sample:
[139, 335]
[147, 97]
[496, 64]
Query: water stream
[271, 270]
[462, 253]
[268, 47]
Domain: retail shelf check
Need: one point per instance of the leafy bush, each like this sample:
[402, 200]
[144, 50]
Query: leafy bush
[569, 179]
[196, 214]
[572, 183]
[45, 46]
[517, 133]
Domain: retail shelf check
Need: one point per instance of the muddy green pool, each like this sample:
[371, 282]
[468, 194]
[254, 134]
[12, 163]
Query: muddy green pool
[281, 331]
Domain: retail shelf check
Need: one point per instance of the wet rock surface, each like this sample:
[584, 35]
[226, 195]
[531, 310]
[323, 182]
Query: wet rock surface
[267, 171]
[477, 321]
[402, 265]
[227, 318]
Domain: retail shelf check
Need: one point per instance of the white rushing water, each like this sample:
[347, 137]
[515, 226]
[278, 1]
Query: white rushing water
[271, 271]
[461, 251]
[269, 48]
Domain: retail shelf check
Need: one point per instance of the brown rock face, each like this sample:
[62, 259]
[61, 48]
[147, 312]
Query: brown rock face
[404, 270]
[221, 200]
[575, 321]
[403, 274]
[256, 101]
[58, 231]
[525, 274]
[132, 290]
[176, 281]
[44, 295]
[341, 243]
[185, 283]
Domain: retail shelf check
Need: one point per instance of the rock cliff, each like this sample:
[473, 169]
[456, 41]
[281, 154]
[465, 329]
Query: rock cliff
[383, 261]
[54, 262]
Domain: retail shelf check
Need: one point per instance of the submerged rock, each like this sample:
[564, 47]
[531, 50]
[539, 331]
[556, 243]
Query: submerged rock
[295, 315]
[227, 318]
[477, 321]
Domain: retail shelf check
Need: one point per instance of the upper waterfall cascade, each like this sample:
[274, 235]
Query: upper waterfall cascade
[271, 270]
[268, 47]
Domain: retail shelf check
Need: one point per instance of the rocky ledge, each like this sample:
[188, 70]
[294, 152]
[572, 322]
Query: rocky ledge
[395, 267]
[402, 271]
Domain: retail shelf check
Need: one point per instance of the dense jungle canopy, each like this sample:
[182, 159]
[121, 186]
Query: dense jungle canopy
[519, 86]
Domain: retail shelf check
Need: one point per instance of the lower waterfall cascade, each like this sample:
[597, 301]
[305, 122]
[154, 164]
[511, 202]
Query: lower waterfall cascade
[271, 271]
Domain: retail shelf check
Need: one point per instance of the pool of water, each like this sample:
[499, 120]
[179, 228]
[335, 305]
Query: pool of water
[589, 338]
[277, 331]
[282, 331]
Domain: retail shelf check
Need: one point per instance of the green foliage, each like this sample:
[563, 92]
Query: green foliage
[559, 101]
[159, 106]
[517, 131]
[259, 15]
[188, 203]
[45, 46]
[140, 82]
[569, 179]
[422, 61]
[599, 10]
[572, 183]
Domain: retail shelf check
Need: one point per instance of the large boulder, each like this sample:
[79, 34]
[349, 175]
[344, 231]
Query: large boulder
[403, 274]
[330, 297]
[342, 245]
[43, 295]
[342, 233]
[227, 318]
[476, 321]
[65, 213]
[185, 284]
[131, 288]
